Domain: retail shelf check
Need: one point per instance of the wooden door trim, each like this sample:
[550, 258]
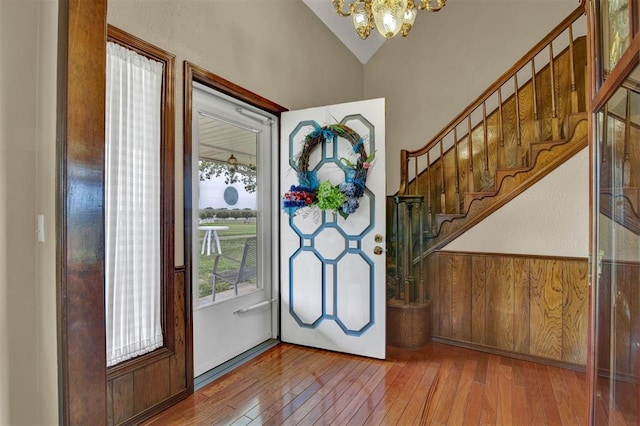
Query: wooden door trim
[194, 72]
[80, 206]
[167, 197]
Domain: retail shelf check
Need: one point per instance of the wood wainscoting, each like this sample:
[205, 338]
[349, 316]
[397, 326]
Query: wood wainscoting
[153, 382]
[532, 306]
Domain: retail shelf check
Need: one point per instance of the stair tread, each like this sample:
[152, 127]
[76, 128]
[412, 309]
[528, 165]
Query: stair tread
[450, 215]
[483, 193]
[512, 169]
[551, 142]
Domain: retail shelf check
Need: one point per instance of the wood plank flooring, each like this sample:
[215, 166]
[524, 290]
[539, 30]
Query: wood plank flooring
[439, 384]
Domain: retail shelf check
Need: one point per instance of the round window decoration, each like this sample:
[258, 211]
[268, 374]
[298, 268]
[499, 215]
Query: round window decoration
[230, 195]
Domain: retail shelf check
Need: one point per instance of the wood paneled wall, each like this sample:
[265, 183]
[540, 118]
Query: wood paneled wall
[137, 393]
[529, 305]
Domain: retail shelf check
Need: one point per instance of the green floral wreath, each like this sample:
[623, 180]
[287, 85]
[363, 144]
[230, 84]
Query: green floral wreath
[344, 198]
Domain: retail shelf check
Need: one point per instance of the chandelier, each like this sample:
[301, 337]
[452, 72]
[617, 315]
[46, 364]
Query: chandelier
[389, 16]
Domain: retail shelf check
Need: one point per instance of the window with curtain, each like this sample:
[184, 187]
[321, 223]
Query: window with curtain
[133, 272]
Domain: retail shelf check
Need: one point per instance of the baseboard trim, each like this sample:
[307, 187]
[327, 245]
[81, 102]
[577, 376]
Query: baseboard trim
[228, 366]
[516, 355]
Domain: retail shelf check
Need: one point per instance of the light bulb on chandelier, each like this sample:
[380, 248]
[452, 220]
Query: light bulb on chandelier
[390, 17]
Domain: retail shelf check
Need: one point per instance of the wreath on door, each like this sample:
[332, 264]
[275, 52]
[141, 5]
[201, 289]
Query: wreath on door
[343, 198]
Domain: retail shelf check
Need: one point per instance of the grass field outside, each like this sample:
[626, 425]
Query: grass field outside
[231, 244]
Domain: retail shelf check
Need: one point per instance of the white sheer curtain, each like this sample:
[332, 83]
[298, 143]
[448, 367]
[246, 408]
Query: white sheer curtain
[132, 204]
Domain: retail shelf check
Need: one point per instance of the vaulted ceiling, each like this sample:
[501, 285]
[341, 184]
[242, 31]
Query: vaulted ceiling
[342, 27]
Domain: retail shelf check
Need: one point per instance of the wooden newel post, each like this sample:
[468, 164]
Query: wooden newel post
[408, 311]
[404, 171]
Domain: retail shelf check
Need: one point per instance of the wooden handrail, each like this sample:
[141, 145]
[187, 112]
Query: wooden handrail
[553, 34]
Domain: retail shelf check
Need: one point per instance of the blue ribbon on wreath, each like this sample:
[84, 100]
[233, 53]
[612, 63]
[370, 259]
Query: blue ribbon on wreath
[327, 134]
[309, 179]
[357, 146]
[358, 185]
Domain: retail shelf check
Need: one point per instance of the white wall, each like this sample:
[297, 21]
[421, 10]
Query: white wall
[28, 369]
[46, 167]
[551, 218]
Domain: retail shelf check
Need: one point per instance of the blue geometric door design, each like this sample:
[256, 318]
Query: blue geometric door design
[332, 276]
[333, 244]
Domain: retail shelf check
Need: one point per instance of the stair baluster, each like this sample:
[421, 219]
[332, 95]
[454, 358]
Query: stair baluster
[515, 162]
[430, 215]
[443, 197]
[416, 189]
[536, 123]
[572, 72]
[486, 178]
[605, 135]
[500, 161]
[555, 124]
[456, 156]
[471, 187]
[626, 165]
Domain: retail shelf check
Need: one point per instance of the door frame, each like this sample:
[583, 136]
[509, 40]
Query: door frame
[213, 346]
[194, 73]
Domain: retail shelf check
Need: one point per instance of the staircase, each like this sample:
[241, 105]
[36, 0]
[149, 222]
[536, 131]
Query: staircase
[523, 126]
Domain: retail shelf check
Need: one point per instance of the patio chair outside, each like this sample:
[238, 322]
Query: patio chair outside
[245, 271]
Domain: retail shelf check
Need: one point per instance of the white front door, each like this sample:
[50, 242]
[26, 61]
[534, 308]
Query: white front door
[332, 268]
[232, 209]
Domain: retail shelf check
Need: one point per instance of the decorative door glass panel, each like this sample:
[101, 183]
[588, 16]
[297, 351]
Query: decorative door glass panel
[617, 289]
[615, 31]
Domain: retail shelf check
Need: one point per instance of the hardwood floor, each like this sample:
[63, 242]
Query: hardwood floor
[439, 384]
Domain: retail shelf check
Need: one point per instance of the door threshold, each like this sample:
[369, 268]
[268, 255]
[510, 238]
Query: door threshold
[228, 366]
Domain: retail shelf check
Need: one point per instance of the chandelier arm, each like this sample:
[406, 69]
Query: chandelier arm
[426, 5]
[338, 5]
